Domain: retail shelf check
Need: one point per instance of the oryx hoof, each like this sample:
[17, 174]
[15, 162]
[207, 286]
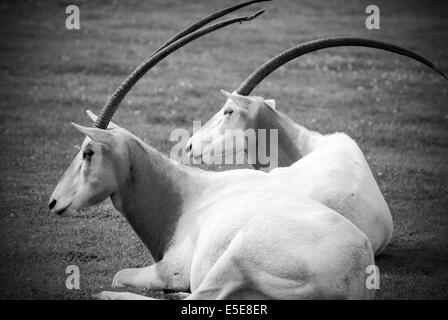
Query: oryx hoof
[106, 295]
[123, 278]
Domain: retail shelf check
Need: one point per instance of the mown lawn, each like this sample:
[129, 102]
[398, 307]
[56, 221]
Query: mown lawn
[395, 108]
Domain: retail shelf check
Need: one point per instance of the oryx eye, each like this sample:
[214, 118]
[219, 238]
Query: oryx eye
[228, 111]
[87, 154]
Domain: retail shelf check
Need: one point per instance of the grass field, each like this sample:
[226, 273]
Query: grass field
[395, 108]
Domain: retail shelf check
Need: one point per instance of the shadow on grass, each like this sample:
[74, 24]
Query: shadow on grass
[420, 267]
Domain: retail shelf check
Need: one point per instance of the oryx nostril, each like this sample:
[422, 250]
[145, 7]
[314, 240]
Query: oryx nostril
[189, 147]
[52, 204]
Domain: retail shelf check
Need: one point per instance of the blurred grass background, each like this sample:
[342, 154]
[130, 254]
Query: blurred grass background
[395, 108]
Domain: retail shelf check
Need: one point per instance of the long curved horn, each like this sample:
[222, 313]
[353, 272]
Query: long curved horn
[111, 106]
[206, 20]
[310, 46]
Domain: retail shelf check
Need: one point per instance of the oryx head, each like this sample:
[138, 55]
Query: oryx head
[240, 112]
[96, 171]
[238, 116]
[101, 165]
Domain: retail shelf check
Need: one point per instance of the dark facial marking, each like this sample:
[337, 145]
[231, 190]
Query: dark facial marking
[87, 154]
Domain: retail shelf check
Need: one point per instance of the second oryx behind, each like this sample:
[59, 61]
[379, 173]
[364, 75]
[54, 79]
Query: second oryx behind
[329, 168]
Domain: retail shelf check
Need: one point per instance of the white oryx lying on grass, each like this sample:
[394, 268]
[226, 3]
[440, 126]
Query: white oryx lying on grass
[330, 169]
[235, 234]
[238, 234]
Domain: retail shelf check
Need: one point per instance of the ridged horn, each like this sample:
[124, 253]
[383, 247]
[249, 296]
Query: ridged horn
[206, 20]
[112, 104]
[310, 46]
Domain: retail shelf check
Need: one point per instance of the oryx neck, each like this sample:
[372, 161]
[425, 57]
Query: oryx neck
[294, 140]
[154, 196]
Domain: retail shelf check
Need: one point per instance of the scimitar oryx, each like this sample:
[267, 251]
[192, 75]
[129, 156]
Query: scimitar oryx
[223, 235]
[330, 168]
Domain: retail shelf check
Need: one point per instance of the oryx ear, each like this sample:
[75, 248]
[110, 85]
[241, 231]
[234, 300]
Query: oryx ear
[270, 103]
[236, 98]
[97, 135]
[94, 116]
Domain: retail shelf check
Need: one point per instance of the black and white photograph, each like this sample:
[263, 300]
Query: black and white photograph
[223, 150]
